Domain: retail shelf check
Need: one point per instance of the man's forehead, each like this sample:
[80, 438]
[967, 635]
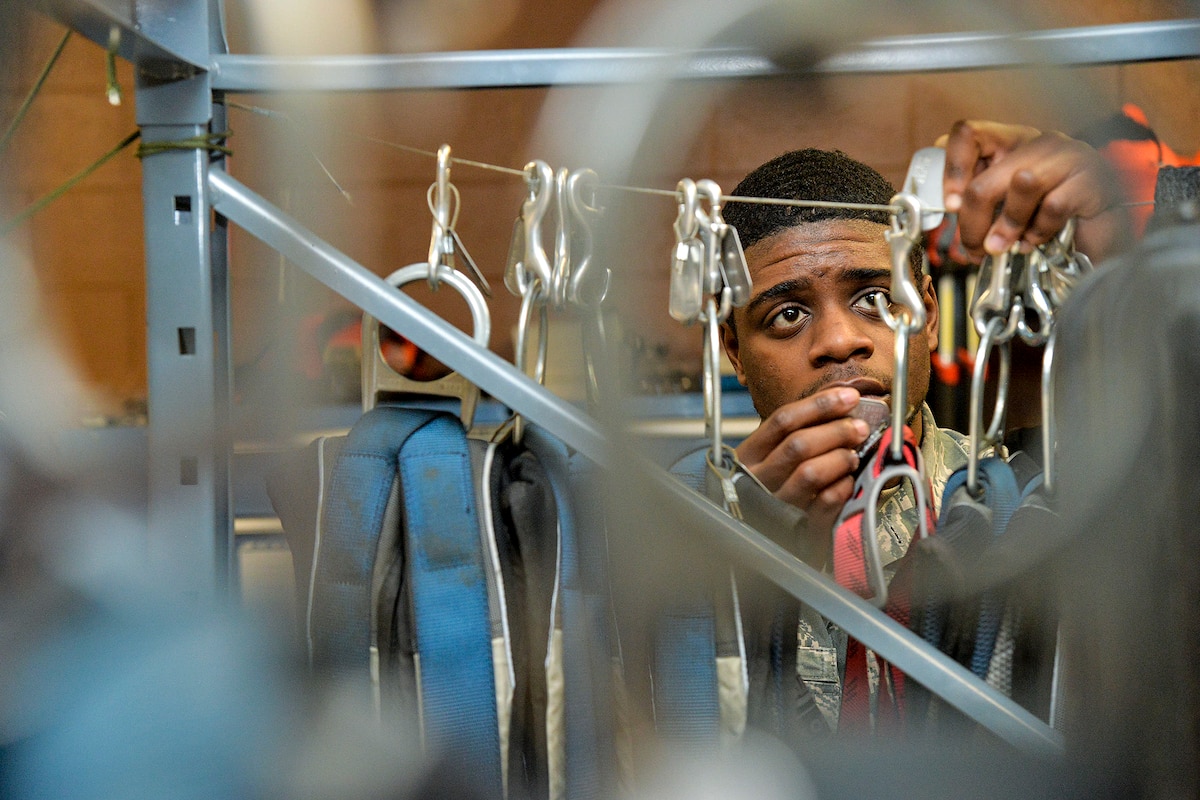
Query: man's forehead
[825, 240]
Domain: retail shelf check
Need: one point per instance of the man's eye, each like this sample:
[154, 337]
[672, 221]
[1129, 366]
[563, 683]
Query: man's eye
[868, 302]
[787, 319]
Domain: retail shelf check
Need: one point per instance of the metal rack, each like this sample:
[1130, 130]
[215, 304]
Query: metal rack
[182, 65]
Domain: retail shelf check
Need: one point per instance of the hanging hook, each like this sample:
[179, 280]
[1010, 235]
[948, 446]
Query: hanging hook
[710, 235]
[1049, 425]
[687, 263]
[561, 269]
[712, 378]
[902, 237]
[527, 261]
[1064, 266]
[444, 243]
[441, 245]
[579, 291]
[992, 336]
[994, 295]
[1033, 300]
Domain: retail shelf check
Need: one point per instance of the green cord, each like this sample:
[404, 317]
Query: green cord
[37, 87]
[212, 142]
[46, 200]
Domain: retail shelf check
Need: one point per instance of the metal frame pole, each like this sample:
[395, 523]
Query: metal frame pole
[189, 515]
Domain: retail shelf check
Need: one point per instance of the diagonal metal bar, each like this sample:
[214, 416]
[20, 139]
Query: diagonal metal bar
[1084, 46]
[922, 663]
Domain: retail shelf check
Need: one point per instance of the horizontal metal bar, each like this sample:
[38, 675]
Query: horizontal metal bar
[916, 658]
[96, 19]
[404, 315]
[1097, 45]
[1085, 46]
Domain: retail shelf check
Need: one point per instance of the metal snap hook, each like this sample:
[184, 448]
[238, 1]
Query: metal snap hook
[902, 237]
[687, 262]
[979, 439]
[527, 255]
[993, 293]
[441, 244]
[1034, 301]
[580, 289]
[710, 230]
[561, 262]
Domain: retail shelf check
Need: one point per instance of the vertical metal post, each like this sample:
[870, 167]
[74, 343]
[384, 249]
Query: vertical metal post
[190, 520]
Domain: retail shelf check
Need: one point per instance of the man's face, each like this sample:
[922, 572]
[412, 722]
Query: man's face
[812, 321]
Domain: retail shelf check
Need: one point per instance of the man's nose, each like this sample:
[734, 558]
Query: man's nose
[840, 336]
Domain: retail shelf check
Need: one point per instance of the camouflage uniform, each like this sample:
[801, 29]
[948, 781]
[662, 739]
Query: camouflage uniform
[821, 645]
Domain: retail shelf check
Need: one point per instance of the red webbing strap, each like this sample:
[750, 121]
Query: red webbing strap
[855, 568]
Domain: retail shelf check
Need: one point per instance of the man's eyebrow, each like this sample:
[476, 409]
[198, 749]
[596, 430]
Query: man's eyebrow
[853, 275]
[781, 289]
[864, 274]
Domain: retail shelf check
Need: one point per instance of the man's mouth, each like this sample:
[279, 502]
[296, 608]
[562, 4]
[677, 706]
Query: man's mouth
[867, 387]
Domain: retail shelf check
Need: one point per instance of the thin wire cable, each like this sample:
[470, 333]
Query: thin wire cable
[725, 198]
[33, 92]
[268, 112]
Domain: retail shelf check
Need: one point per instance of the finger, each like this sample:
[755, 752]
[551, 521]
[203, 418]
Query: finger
[1082, 195]
[825, 405]
[999, 203]
[1026, 192]
[1054, 179]
[814, 476]
[827, 505]
[808, 444]
[972, 146]
[963, 154]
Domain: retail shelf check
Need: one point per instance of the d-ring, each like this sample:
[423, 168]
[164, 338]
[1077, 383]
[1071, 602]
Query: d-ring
[378, 377]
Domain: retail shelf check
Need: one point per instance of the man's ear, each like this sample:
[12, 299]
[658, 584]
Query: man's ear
[729, 339]
[932, 312]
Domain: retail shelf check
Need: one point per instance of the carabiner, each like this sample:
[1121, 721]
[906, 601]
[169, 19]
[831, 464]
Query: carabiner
[1033, 301]
[1064, 265]
[902, 238]
[561, 262]
[583, 242]
[710, 234]
[979, 439]
[712, 378]
[441, 241]
[527, 260]
[687, 262]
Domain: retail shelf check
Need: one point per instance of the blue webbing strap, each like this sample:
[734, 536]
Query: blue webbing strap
[583, 628]
[350, 526]
[448, 571]
[1002, 497]
[967, 526]
[687, 705]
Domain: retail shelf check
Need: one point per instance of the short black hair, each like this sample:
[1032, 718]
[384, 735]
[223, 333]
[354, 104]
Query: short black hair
[827, 175]
[809, 174]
